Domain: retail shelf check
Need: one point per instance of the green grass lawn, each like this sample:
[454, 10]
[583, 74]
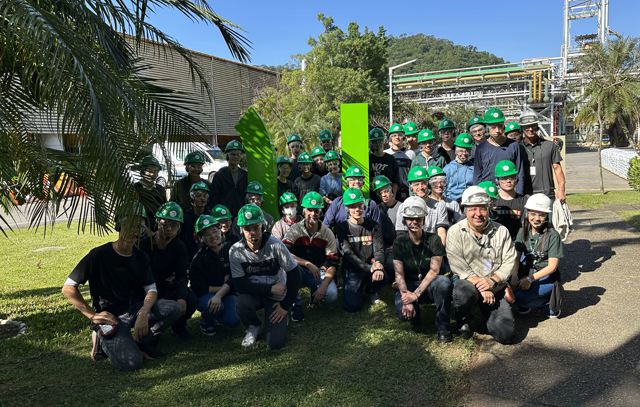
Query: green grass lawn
[332, 358]
[624, 203]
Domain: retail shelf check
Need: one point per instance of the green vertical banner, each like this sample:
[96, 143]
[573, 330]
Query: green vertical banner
[354, 126]
[261, 159]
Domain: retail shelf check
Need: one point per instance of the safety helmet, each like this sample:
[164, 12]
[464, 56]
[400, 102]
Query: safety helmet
[410, 129]
[149, 161]
[490, 188]
[475, 195]
[331, 156]
[254, 187]
[380, 182]
[417, 173]
[221, 212]
[463, 140]
[446, 124]
[540, 203]
[493, 115]
[283, 159]
[199, 186]
[194, 157]
[325, 135]
[305, 158]
[318, 151]
[312, 200]
[527, 117]
[511, 126]
[414, 207]
[425, 135]
[434, 171]
[505, 168]
[354, 172]
[204, 222]
[292, 138]
[250, 214]
[376, 133]
[396, 128]
[286, 198]
[474, 120]
[170, 210]
[352, 196]
[233, 145]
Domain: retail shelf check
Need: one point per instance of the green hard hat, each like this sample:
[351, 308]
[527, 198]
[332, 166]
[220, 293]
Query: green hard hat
[221, 212]
[493, 115]
[434, 171]
[352, 196]
[376, 133]
[233, 145]
[446, 124]
[312, 200]
[318, 151]
[490, 188]
[380, 182]
[204, 222]
[150, 161]
[254, 187]
[199, 186]
[474, 120]
[425, 135]
[354, 171]
[286, 198]
[417, 173]
[293, 137]
[396, 128]
[305, 158]
[250, 214]
[511, 126]
[283, 159]
[194, 157]
[410, 128]
[505, 168]
[331, 156]
[325, 135]
[463, 140]
[170, 210]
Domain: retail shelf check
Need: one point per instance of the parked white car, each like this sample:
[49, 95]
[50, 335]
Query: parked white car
[213, 156]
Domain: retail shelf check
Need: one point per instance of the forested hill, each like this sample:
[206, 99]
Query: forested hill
[434, 54]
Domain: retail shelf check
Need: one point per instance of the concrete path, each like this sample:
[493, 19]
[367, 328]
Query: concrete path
[582, 173]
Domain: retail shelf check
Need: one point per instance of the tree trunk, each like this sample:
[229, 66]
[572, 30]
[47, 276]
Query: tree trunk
[600, 130]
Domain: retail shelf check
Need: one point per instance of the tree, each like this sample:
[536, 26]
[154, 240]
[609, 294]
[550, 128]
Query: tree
[611, 88]
[76, 63]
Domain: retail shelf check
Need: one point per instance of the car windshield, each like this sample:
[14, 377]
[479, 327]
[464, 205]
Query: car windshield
[216, 154]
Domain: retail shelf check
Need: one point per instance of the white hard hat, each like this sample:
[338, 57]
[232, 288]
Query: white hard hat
[540, 203]
[475, 195]
[414, 207]
[528, 116]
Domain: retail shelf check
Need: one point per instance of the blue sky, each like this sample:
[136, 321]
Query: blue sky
[511, 29]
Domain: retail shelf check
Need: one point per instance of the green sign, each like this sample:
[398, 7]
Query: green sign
[354, 125]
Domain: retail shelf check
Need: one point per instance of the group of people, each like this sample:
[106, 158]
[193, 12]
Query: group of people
[464, 224]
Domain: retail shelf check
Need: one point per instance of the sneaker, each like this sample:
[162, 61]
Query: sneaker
[465, 331]
[523, 310]
[553, 314]
[207, 330]
[96, 350]
[444, 336]
[252, 336]
[297, 314]
[374, 298]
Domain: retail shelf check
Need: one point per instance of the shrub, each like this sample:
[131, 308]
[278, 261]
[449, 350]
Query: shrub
[633, 175]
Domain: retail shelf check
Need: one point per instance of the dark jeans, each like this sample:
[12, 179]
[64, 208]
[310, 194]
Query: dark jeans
[356, 285]
[312, 283]
[226, 315]
[438, 293]
[539, 294]
[122, 348]
[248, 306]
[496, 319]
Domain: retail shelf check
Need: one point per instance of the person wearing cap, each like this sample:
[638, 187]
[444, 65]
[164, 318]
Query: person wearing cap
[540, 248]
[509, 206]
[124, 297]
[288, 204]
[362, 251]
[180, 193]
[447, 133]
[417, 257]
[265, 276]
[476, 129]
[482, 257]
[389, 206]
[314, 248]
[437, 186]
[427, 155]
[230, 182]
[380, 162]
[150, 194]
[307, 181]
[544, 159]
[326, 140]
[460, 171]
[255, 195]
[317, 155]
[513, 131]
[199, 196]
[331, 183]
[436, 221]
[497, 148]
[337, 212]
[210, 277]
[169, 263]
[403, 161]
[410, 136]
[294, 146]
[284, 165]
[223, 217]
[492, 191]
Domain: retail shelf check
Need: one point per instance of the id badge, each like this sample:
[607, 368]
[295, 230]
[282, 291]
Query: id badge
[532, 171]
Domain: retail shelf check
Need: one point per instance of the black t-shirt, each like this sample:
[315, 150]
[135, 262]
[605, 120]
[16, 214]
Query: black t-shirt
[305, 185]
[360, 244]
[151, 199]
[169, 267]
[285, 187]
[209, 269]
[509, 213]
[188, 232]
[115, 281]
[417, 258]
[385, 165]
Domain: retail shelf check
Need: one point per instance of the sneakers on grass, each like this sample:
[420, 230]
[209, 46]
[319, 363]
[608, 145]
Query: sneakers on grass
[251, 336]
[207, 330]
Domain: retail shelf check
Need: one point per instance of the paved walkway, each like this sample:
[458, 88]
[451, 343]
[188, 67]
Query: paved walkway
[582, 172]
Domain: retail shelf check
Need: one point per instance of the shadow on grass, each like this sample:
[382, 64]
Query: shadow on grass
[46, 292]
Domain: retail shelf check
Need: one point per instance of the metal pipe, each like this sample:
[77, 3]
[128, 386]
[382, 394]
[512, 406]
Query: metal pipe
[391, 68]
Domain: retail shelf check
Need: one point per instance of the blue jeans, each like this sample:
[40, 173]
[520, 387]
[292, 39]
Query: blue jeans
[312, 283]
[438, 293]
[226, 315]
[356, 284]
[538, 295]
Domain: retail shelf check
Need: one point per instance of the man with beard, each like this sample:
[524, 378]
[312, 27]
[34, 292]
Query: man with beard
[230, 182]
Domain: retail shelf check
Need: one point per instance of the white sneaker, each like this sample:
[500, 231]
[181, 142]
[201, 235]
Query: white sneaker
[252, 336]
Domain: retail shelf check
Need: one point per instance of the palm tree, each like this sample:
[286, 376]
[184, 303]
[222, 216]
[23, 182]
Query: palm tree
[75, 63]
[611, 88]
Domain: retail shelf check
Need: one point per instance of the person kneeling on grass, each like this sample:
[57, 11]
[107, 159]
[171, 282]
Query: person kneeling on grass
[417, 257]
[362, 249]
[210, 275]
[265, 276]
[314, 248]
[538, 282]
[124, 296]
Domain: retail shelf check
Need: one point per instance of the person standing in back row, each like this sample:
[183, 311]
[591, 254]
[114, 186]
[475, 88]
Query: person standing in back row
[447, 132]
[396, 142]
[231, 181]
